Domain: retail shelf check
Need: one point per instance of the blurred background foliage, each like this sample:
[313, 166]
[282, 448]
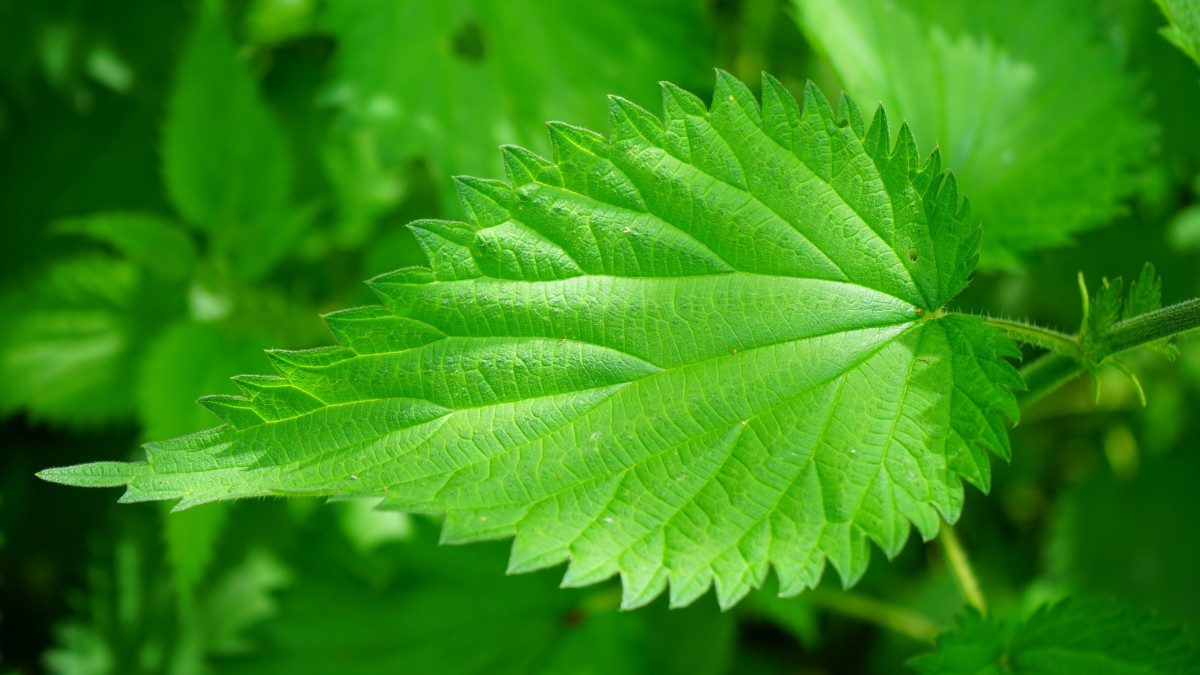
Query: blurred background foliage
[183, 185]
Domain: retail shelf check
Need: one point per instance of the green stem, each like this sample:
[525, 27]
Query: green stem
[1046, 338]
[1151, 327]
[865, 608]
[960, 566]
[1045, 375]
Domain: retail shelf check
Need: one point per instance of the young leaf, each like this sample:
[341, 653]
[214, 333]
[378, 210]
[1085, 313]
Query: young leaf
[1032, 111]
[703, 346]
[225, 159]
[156, 244]
[1071, 637]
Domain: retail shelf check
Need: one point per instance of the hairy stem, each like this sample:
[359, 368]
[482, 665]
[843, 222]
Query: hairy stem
[865, 608]
[1046, 338]
[960, 566]
[1151, 327]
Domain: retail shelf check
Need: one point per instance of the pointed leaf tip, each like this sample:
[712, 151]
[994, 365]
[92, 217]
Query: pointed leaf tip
[95, 474]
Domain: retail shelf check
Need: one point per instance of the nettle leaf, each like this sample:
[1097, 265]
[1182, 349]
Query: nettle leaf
[1074, 636]
[704, 346]
[1033, 111]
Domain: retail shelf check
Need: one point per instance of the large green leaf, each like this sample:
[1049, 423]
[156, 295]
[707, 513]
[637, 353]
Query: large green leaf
[1071, 637]
[704, 346]
[1031, 109]
[448, 81]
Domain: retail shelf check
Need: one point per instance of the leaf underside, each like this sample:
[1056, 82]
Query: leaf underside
[704, 346]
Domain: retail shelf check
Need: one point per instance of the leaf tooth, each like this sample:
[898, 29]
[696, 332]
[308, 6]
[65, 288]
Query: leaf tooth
[563, 134]
[732, 91]
[632, 123]
[236, 411]
[781, 114]
[252, 384]
[524, 167]
[530, 554]
[686, 590]
[586, 166]
[590, 570]
[487, 202]
[447, 245]
[641, 585]
[878, 137]
[279, 399]
[678, 102]
[290, 362]
[930, 173]
[815, 103]
[392, 288]
[375, 330]
[848, 114]
[905, 152]
[464, 526]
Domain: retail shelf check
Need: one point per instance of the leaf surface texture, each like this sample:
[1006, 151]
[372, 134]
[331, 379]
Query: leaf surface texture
[1027, 100]
[706, 345]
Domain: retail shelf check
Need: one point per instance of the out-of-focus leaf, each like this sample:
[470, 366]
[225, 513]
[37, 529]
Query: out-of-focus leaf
[187, 361]
[155, 243]
[449, 81]
[128, 622]
[225, 159]
[71, 340]
[269, 21]
[1183, 29]
[1032, 110]
[797, 615]
[241, 598]
[1184, 230]
[451, 611]
[1073, 636]
[1134, 539]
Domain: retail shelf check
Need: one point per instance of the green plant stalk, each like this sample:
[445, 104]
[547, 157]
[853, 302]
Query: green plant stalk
[865, 608]
[960, 567]
[1046, 338]
[1065, 360]
[1151, 327]
[1046, 374]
